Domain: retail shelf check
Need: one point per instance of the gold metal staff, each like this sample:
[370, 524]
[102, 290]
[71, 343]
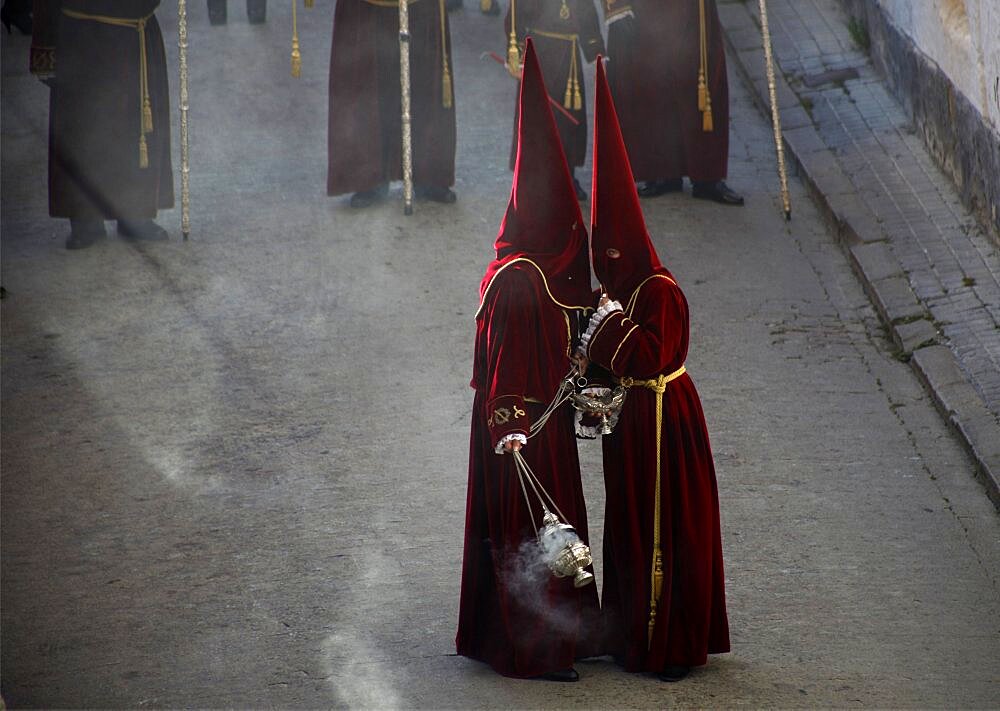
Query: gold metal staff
[775, 118]
[185, 156]
[404, 81]
[296, 55]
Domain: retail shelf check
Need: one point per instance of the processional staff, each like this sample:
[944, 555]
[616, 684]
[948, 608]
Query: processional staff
[775, 118]
[404, 80]
[185, 156]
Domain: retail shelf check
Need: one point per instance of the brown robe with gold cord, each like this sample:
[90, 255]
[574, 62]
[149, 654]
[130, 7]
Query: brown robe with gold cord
[653, 65]
[94, 65]
[365, 124]
[565, 35]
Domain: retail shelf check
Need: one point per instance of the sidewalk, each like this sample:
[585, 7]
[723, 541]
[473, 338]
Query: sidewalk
[931, 272]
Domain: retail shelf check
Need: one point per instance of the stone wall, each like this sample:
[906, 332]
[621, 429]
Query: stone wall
[942, 60]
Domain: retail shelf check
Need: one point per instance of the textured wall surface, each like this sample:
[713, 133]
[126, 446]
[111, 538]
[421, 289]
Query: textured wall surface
[942, 59]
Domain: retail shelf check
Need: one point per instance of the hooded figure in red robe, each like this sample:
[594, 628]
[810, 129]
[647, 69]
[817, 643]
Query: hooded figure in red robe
[365, 122]
[667, 70]
[664, 603]
[514, 615]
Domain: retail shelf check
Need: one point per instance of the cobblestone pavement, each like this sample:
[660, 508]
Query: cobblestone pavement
[234, 468]
[926, 261]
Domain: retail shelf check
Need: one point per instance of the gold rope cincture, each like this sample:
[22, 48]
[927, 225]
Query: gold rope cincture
[145, 106]
[704, 97]
[573, 98]
[446, 95]
[296, 54]
[658, 386]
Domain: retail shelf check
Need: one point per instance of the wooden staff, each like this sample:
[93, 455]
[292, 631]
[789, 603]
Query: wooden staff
[185, 159]
[775, 118]
[404, 80]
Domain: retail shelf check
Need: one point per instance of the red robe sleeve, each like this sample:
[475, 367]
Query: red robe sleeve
[653, 341]
[511, 313]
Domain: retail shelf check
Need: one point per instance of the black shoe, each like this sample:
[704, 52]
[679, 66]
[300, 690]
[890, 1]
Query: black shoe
[674, 673]
[561, 675]
[367, 198]
[20, 17]
[717, 191]
[489, 7]
[141, 231]
[257, 11]
[653, 188]
[84, 233]
[581, 194]
[217, 12]
[434, 194]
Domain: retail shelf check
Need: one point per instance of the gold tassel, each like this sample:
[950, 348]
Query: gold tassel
[147, 116]
[568, 98]
[143, 152]
[654, 597]
[485, 5]
[310, 3]
[446, 100]
[702, 90]
[577, 96]
[706, 121]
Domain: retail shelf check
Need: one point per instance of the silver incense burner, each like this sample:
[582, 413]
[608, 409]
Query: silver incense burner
[600, 405]
[563, 551]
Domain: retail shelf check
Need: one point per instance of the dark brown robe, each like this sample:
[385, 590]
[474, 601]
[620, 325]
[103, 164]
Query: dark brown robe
[365, 124]
[95, 110]
[558, 41]
[653, 73]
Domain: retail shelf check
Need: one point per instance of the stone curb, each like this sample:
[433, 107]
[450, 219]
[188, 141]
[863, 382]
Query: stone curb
[868, 248]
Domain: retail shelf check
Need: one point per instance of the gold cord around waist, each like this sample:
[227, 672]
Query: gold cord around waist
[658, 385]
[573, 98]
[145, 106]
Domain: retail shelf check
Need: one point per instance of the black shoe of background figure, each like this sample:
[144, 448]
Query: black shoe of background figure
[141, 231]
[256, 11]
[434, 193]
[84, 233]
[717, 191]
[17, 13]
[367, 198]
[561, 675]
[217, 12]
[674, 673]
[654, 188]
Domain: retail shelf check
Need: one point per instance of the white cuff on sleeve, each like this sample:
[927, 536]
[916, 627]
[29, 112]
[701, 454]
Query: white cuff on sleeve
[509, 438]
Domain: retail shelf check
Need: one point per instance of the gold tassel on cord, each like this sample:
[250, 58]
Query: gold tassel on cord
[310, 3]
[485, 5]
[654, 597]
[447, 99]
[704, 97]
[513, 51]
[143, 152]
[147, 116]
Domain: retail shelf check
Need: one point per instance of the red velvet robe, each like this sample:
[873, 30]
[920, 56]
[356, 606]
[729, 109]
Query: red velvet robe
[522, 624]
[654, 81]
[534, 17]
[652, 339]
[95, 105]
[365, 134]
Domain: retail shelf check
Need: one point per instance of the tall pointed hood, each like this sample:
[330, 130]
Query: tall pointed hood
[543, 224]
[617, 225]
